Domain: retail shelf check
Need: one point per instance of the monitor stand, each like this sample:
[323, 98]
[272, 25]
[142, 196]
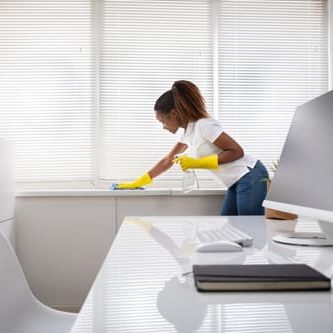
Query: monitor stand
[303, 238]
[308, 238]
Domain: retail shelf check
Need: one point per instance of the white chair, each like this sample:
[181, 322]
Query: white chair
[20, 311]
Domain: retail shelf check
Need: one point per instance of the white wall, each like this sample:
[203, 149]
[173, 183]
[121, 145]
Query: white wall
[330, 42]
[62, 241]
[6, 188]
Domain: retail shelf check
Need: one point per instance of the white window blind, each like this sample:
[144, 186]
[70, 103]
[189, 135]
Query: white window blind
[146, 46]
[46, 87]
[272, 57]
[254, 61]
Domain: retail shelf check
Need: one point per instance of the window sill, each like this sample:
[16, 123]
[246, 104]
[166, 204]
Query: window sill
[101, 189]
[118, 193]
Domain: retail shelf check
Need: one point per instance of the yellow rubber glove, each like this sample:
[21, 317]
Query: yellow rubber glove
[206, 162]
[141, 181]
[145, 225]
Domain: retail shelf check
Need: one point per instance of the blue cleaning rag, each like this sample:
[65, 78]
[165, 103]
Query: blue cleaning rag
[114, 187]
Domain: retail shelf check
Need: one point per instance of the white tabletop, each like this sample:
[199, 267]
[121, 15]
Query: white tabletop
[145, 283]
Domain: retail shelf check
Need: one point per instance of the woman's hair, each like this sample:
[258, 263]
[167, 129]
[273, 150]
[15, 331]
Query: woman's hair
[186, 100]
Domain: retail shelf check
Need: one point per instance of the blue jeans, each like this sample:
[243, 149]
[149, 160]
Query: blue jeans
[245, 197]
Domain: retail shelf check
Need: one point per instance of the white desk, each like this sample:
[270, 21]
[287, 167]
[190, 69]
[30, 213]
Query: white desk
[141, 287]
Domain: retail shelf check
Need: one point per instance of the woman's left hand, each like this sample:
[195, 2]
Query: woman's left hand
[206, 162]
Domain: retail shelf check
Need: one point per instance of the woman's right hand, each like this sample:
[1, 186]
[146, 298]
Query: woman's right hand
[145, 179]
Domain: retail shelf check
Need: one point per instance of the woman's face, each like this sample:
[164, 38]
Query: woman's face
[169, 121]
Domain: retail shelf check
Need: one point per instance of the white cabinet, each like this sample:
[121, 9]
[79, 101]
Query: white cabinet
[61, 243]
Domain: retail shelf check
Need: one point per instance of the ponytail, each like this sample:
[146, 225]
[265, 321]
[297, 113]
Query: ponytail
[189, 103]
[186, 100]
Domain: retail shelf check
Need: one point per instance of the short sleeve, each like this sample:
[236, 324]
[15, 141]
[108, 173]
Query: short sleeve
[210, 129]
[182, 138]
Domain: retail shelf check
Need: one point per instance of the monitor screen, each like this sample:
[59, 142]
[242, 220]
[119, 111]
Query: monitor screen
[303, 179]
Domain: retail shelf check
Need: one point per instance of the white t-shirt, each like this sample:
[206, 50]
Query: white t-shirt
[200, 135]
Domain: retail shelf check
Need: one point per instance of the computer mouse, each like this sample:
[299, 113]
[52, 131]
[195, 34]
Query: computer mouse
[219, 246]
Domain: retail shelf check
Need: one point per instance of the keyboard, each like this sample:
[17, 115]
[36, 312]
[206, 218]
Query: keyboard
[225, 232]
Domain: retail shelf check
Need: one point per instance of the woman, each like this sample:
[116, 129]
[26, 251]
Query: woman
[184, 107]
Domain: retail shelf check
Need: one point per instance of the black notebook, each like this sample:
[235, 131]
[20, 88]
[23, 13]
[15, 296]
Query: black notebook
[259, 277]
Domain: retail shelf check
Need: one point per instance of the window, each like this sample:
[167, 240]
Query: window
[47, 87]
[272, 58]
[78, 79]
[146, 46]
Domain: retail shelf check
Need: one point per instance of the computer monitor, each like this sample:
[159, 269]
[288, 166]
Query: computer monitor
[303, 181]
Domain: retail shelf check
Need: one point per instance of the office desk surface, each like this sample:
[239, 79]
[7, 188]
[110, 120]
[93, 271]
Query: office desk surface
[145, 284]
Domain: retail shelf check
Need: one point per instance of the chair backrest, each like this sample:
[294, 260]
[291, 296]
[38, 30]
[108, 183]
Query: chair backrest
[14, 290]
